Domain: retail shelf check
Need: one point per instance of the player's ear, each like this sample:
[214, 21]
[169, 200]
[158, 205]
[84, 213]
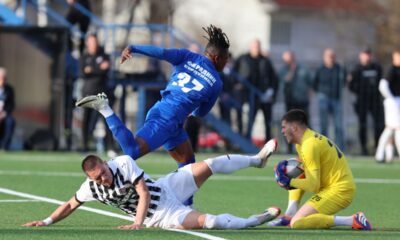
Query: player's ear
[294, 127]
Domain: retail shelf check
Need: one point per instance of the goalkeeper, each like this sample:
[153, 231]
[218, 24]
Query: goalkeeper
[327, 175]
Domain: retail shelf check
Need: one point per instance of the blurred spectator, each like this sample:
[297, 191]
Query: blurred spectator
[94, 68]
[7, 104]
[329, 83]
[231, 96]
[296, 82]
[74, 16]
[390, 89]
[364, 81]
[258, 70]
[192, 123]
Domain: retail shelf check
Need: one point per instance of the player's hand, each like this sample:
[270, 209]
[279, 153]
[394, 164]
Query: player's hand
[34, 224]
[281, 178]
[126, 55]
[130, 227]
[3, 114]
[87, 70]
[105, 65]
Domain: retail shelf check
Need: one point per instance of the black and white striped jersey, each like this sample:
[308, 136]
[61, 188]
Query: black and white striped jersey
[121, 193]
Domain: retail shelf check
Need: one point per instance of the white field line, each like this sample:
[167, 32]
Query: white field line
[17, 200]
[98, 211]
[215, 177]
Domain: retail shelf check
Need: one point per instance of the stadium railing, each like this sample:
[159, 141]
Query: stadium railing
[168, 36]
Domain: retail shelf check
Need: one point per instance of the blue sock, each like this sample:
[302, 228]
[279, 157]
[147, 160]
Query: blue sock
[189, 201]
[123, 136]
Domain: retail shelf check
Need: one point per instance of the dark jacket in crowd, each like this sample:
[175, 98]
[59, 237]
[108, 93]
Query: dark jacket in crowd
[8, 98]
[330, 81]
[96, 81]
[258, 71]
[296, 90]
[365, 83]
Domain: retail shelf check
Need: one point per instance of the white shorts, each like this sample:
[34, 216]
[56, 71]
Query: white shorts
[392, 112]
[177, 187]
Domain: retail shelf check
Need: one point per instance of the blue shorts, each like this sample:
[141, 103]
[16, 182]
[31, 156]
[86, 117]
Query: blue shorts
[158, 131]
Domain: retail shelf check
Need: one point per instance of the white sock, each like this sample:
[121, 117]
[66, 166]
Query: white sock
[397, 140]
[292, 208]
[106, 111]
[343, 221]
[230, 163]
[228, 221]
[383, 140]
[389, 152]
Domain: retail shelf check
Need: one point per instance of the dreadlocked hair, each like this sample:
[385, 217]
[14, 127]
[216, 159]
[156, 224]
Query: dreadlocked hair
[217, 40]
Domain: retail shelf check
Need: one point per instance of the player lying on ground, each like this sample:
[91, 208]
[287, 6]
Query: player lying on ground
[193, 88]
[327, 174]
[121, 183]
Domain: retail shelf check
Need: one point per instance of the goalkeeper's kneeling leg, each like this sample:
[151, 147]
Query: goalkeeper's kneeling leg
[314, 221]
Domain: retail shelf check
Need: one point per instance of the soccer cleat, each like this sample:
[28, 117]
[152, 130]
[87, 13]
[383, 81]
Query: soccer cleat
[95, 102]
[266, 151]
[269, 214]
[360, 222]
[280, 222]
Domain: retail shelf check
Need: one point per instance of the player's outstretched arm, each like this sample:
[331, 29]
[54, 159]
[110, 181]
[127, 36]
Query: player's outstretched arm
[60, 213]
[143, 205]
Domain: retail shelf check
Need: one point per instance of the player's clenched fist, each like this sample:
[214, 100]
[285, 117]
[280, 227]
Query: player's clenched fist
[125, 55]
[35, 224]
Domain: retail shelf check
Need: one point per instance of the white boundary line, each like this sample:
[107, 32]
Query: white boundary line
[17, 200]
[98, 211]
[215, 177]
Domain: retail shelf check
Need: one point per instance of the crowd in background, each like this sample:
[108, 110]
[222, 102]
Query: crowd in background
[252, 80]
[327, 83]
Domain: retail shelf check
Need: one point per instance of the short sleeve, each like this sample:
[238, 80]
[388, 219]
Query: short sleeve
[84, 194]
[129, 169]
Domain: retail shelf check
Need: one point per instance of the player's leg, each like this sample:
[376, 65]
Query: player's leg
[389, 151]
[197, 220]
[231, 163]
[357, 221]
[180, 149]
[318, 212]
[188, 179]
[397, 139]
[183, 153]
[382, 143]
[134, 147]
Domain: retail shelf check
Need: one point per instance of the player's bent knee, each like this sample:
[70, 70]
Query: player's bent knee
[295, 224]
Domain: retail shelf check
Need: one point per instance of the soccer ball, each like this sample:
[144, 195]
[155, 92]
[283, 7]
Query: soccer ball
[294, 168]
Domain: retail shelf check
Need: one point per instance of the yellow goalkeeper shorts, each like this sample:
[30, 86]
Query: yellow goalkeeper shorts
[331, 201]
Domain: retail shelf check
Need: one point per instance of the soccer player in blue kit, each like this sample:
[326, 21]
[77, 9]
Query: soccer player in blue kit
[193, 88]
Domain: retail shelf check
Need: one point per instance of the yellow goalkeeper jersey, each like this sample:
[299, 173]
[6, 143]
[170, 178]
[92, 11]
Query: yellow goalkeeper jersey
[324, 162]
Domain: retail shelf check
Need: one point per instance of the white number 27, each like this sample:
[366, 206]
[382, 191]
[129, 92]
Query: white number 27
[183, 79]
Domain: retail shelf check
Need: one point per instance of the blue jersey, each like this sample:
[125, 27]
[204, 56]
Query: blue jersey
[194, 85]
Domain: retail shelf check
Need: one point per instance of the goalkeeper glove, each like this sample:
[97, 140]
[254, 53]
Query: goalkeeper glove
[281, 178]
